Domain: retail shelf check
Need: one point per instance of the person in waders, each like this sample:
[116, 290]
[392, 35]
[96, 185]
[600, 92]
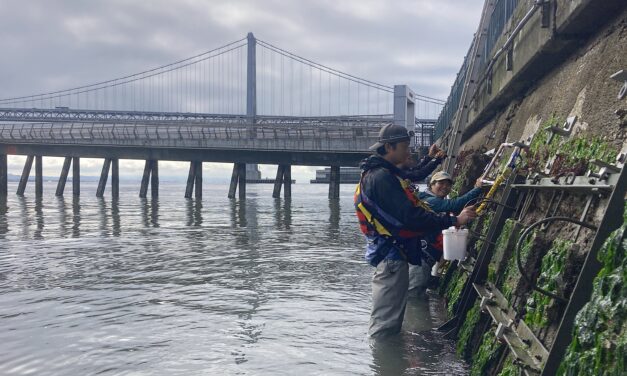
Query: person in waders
[393, 220]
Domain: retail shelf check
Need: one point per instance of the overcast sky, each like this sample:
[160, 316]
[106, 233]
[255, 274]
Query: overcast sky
[51, 45]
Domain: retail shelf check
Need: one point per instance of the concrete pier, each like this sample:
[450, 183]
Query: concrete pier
[39, 179]
[25, 174]
[63, 177]
[151, 176]
[242, 180]
[283, 178]
[115, 178]
[276, 192]
[3, 175]
[154, 179]
[104, 175]
[194, 178]
[191, 175]
[238, 178]
[334, 182]
[198, 178]
[76, 176]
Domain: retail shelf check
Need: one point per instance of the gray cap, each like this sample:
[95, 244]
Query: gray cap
[391, 133]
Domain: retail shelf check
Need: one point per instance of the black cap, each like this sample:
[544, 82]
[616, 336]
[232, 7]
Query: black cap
[391, 133]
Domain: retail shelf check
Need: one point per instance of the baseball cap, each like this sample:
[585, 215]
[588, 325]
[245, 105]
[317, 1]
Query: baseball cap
[439, 176]
[392, 133]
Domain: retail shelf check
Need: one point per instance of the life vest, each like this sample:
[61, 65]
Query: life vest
[383, 230]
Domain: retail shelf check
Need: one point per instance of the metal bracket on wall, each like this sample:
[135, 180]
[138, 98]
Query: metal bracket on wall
[545, 13]
[605, 169]
[565, 130]
[612, 219]
[621, 76]
[480, 271]
[528, 351]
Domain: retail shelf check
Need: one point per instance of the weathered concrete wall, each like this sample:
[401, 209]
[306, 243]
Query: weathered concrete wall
[539, 52]
[580, 85]
[575, 81]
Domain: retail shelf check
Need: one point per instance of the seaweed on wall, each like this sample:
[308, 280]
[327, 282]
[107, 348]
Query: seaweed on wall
[599, 345]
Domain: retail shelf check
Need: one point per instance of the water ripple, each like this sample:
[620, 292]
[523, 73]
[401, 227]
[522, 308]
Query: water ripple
[175, 286]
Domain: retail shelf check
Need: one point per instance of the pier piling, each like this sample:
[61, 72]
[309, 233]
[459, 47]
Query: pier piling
[115, 178]
[76, 176]
[104, 175]
[3, 175]
[63, 177]
[25, 174]
[39, 179]
[334, 182]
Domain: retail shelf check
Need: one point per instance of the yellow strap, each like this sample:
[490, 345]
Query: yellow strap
[379, 228]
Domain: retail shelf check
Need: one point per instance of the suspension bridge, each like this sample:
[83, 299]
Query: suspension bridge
[247, 102]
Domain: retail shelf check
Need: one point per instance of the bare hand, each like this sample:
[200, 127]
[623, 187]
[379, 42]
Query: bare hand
[479, 183]
[433, 150]
[440, 154]
[466, 216]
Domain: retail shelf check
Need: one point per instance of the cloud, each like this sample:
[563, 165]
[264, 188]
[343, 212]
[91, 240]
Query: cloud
[68, 43]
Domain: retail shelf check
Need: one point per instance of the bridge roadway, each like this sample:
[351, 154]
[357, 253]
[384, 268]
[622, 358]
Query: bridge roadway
[290, 141]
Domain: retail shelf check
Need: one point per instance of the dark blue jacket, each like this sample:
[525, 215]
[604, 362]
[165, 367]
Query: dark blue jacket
[382, 186]
[423, 169]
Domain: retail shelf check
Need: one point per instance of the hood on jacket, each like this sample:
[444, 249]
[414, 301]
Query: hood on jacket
[376, 161]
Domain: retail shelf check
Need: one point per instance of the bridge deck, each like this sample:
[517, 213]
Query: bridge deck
[265, 143]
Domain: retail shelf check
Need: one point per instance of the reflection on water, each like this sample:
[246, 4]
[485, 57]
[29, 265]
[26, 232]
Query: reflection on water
[183, 286]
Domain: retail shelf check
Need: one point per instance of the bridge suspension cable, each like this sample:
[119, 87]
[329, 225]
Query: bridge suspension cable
[215, 82]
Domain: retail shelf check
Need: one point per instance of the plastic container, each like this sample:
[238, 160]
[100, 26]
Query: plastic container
[455, 243]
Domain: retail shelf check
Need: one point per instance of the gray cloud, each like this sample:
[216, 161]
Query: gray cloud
[51, 45]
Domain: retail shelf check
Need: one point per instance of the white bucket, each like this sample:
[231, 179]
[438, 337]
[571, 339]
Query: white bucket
[455, 242]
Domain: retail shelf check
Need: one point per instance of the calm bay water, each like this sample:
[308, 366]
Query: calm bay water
[219, 287]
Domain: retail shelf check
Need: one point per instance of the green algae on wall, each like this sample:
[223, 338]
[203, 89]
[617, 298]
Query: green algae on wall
[499, 248]
[572, 155]
[511, 276]
[599, 345]
[481, 229]
[487, 354]
[467, 329]
[551, 272]
[454, 290]
[510, 369]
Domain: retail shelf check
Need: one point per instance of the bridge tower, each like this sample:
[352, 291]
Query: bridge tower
[252, 169]
[244, 171]
[405, 108]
